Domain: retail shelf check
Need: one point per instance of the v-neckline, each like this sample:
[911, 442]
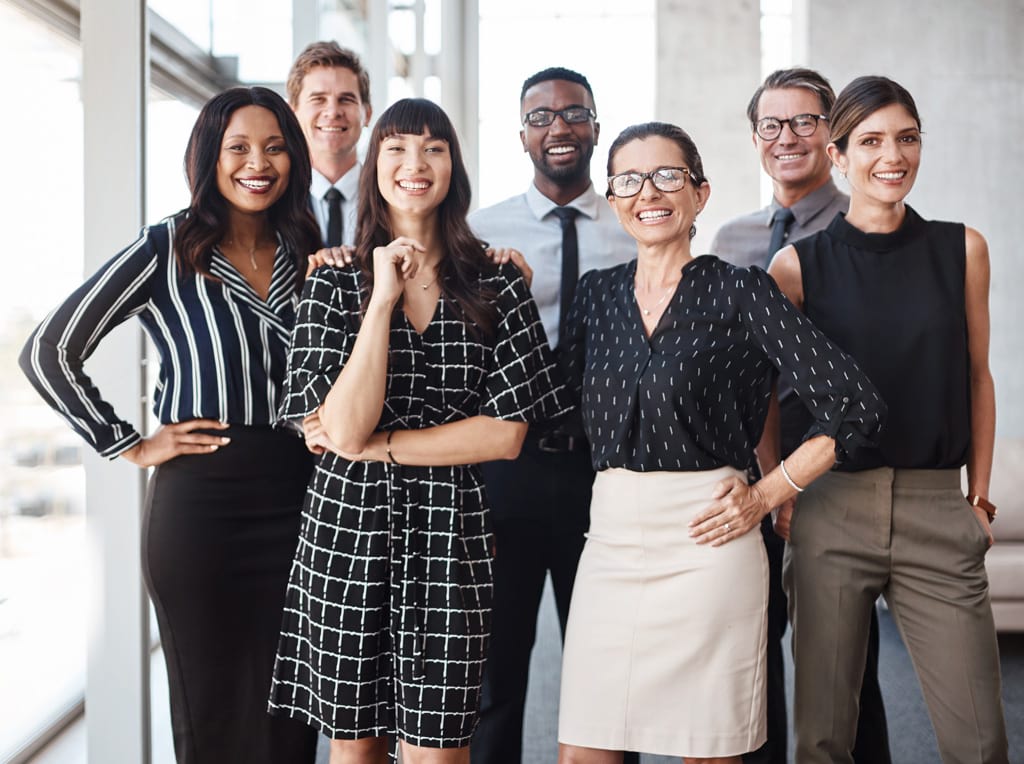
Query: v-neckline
[638, 313]
[430, 322]
[265, 300]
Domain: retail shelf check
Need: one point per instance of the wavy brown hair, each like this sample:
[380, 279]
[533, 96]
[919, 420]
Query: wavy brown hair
[206, 216]
[463, 261]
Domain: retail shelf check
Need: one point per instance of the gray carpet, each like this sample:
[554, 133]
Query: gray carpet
[910, 731]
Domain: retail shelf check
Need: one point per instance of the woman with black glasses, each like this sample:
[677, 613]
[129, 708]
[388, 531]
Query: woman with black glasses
[674, 358]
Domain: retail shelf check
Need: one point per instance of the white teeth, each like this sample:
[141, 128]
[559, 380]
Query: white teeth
[561, 149]
[890, 175]
[255, 185]
[654, 214]
[789, 156]
[330, 128]
[409, 185]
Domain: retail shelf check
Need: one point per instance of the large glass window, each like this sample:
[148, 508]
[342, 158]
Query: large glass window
[42, 484]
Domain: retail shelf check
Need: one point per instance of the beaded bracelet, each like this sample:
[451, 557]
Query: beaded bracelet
[785, 474]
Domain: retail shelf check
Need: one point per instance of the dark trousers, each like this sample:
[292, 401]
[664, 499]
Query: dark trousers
[540, 509]
[872, 744]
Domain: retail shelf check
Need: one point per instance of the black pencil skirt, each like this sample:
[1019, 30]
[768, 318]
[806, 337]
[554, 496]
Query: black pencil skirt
[218, 539]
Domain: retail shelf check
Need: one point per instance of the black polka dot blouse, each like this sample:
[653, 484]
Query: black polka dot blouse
[694, 395]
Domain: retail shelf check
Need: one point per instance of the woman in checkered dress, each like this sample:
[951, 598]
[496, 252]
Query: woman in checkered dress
[420, 359]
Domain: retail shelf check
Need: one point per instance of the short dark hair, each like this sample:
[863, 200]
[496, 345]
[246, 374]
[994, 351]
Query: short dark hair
[862, 98]
[555, 73]
[326, 53]
[797, 77]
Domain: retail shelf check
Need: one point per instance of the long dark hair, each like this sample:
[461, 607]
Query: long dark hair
[464, 260]
[206, 216]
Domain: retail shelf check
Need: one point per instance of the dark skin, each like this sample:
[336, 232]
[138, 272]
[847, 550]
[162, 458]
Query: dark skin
[560, 152]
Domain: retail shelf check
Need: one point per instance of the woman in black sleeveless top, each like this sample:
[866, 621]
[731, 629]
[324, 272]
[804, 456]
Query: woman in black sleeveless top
[908, 299]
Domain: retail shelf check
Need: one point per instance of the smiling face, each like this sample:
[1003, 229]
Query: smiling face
[331, 112]
[253, 165]
[882, 155]
[654, 217]
[414, 172]
[560, 152]
[796, 164]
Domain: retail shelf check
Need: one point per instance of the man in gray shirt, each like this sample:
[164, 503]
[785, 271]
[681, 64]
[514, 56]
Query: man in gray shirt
[789, 120]
[541, 501]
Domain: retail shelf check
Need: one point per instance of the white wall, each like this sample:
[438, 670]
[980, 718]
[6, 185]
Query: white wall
[709, 63]
[964, 65]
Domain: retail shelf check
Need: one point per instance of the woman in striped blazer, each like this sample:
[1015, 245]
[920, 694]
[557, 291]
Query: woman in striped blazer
[215, 287]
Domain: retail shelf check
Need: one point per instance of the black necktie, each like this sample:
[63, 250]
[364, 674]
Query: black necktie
[780, 225]
[570, 263]
[334, 223]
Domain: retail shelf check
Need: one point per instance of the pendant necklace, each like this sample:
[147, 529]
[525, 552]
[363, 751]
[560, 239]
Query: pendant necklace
[429, 283]
[252, 253]
[647, 311]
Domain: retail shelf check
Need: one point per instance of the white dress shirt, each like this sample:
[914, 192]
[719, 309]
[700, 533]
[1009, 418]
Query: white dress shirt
[348, 184]
[525, 222]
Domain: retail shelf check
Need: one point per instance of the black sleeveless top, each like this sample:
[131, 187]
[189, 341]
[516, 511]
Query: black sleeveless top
[895, 302]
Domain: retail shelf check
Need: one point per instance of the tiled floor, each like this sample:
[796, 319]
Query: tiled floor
[909, 729]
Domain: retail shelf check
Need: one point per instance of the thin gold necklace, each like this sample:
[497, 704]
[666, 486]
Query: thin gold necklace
[647, 311]
[431, 282]
[251, 250]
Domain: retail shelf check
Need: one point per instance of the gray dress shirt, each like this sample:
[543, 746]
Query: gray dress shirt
[744, 240]
[525, 222]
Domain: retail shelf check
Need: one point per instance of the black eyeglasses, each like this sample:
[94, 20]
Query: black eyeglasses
[627, 184]
[573, 115]
[803, 125]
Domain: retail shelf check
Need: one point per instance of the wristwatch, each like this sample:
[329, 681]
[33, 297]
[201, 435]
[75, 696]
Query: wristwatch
[976, 501]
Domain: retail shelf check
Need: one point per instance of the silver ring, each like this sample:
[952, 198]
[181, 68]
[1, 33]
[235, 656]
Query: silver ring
[727, 528]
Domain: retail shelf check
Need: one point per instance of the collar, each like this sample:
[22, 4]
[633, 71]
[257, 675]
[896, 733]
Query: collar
[808, 206]
[348, 183]
[541, 206]
[912, 226]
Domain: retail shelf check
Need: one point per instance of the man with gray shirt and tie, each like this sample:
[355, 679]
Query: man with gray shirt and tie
[788, 115]
[329, 91]
[541, 501]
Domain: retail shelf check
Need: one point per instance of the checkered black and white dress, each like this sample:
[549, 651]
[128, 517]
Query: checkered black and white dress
[387, 615]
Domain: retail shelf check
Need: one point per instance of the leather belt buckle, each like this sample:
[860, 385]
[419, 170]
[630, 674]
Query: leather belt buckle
[556, 443]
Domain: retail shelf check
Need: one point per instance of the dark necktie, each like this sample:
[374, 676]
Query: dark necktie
[570, 263]
[335, 228]
[781, 221]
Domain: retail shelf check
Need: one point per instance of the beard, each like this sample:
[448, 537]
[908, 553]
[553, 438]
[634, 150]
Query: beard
[567, 173]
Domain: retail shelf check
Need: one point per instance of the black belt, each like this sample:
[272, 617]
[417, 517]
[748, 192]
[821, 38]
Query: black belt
[554, 441]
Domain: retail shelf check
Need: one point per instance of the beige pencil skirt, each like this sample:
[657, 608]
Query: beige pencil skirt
[665, 646]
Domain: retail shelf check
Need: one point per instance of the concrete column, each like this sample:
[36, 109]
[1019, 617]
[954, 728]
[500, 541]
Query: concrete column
[709, 62]
[115, 80]
[459, 67]
[964, 65]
